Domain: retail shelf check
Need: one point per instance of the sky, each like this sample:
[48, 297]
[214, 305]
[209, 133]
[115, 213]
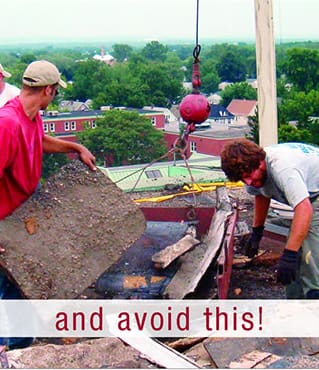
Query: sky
[30, 21]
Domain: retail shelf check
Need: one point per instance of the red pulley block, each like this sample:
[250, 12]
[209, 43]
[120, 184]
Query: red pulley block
[194, 108]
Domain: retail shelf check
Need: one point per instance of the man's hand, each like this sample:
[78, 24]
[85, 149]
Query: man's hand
[288, 265]
[252, 245]
[87, 157]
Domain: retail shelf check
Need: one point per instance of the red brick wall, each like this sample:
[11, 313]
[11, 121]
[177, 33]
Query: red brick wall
[204, 145]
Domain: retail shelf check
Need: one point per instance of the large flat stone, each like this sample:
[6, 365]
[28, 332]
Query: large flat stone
[60, 240]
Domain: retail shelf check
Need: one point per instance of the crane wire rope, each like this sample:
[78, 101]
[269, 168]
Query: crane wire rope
[181, 143]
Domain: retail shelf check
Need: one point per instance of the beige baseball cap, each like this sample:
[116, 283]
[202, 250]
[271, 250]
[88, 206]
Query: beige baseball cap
[42, 73]
[4, 73]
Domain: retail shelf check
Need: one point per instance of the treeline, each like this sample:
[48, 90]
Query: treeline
[153, 75]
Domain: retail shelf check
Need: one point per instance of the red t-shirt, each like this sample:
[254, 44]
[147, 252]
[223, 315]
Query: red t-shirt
[20, 156]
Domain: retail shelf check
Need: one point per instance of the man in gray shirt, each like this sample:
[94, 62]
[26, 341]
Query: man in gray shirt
[288, 173]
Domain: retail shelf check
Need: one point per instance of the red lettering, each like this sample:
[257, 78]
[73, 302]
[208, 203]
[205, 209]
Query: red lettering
[160, 319]
[140, 324]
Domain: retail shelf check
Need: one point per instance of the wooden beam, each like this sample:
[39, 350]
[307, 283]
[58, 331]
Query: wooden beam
[196, 262]
[159, 353]
[166, 256]
[266, 73]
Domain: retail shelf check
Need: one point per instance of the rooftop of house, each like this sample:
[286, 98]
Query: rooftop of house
[240, 107]
[217, 111]
[74, 105]
[223, 132]
[90, 113]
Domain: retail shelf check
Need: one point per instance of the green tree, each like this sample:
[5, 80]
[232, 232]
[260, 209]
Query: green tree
[209, 76]
[124, 136]
[90, 77]
[313, 128]
[121, 52]
[240, 90]
[302, 68]
[231, 66]
[134, 84]
[27, 58]
[253, 123]
[299, 107]
[17, 71]
[289, 133]
[136, 62]
[164, 83]
[121, 89]
[283, 88]
[182, 51]
[155, 51]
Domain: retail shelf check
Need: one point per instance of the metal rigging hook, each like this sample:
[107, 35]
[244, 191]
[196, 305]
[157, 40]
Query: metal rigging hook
[196, 81]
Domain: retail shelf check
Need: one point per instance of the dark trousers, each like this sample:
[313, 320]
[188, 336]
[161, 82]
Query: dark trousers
[9, 291]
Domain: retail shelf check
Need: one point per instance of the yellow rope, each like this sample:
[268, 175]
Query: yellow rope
[192, 189]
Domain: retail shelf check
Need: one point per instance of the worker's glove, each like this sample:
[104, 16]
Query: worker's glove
[252, 245]
[288, 265]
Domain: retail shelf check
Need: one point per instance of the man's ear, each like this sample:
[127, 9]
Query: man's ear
[47, 90]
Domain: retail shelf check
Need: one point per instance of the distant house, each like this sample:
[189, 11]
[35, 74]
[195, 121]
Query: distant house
[175, 110]
[242, 109]
[214, 98]
[68, 124]
[74, 106]
[169, 115]
[314, 118]
[220, 115]
[106, 58]
[188, 86]
[224, 84]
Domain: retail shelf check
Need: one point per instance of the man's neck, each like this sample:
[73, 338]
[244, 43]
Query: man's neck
[30, 104]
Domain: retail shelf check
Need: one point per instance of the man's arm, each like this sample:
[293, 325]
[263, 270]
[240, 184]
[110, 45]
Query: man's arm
[261, 210]
[300, 225]
[288, 262]
[53, 145]
[260, 214]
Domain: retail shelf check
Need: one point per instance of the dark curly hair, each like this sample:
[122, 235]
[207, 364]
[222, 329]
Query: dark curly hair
[241, 156]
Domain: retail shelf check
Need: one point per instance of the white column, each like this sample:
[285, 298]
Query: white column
[266, 73]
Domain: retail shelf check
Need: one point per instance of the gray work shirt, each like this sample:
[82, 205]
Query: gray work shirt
[292, 173]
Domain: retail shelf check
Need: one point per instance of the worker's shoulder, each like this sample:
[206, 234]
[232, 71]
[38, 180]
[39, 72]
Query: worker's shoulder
[12, 108]
[10, 116]
[13, 89]
[292, 146]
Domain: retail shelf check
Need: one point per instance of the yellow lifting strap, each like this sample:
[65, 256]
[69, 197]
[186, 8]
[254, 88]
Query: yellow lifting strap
[191, 189]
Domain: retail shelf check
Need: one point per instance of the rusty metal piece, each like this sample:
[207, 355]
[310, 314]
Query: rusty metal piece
[134, 282]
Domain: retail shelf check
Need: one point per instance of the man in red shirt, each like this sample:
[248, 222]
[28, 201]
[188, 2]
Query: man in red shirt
[22, 142]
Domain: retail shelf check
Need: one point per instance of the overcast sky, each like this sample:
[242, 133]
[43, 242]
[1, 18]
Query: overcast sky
[144, 20]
